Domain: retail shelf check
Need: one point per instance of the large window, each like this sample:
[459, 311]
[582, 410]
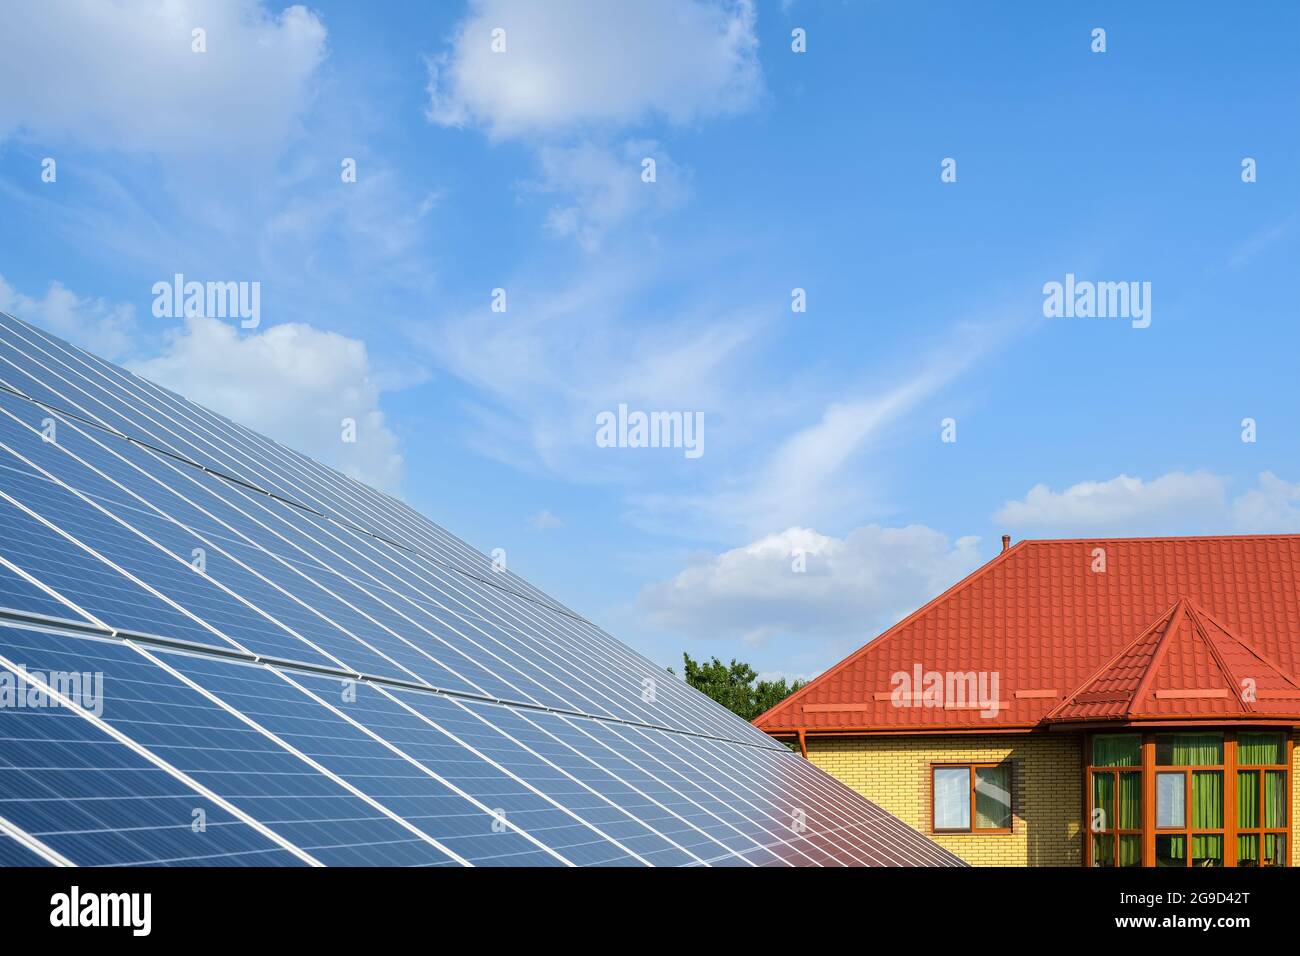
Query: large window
[1261, 800]
[1189, 800]
[1116, 800]
[1216, 799]
[971, 798]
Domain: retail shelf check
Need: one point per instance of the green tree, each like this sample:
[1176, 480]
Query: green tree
[736, 686]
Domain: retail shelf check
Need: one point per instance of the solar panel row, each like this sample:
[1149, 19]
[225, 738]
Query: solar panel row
[184, 758]
[215, 650]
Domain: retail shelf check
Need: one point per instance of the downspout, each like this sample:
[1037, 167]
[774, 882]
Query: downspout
[803, 742]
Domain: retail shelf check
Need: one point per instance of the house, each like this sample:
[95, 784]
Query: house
[1110, 702]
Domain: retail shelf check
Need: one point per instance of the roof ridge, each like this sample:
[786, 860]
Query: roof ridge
[1217, 655]
[1114, 659]
[1166, 639]
[890, 631]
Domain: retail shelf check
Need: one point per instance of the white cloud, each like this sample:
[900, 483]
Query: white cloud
[571, 63]
[544, 520]
[293, 382]
[851, 585]
[122, 76]
[604, 188]
[1122, 506]
[101, 327]
[1272, 506]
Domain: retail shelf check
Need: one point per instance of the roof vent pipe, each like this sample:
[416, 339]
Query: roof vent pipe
[1006, 541]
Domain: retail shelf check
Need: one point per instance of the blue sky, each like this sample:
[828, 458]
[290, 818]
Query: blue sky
[775, 170]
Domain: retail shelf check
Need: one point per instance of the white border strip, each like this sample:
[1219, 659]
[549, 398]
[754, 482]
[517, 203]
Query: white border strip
[43, 850]
[159, 762]
[324, 771]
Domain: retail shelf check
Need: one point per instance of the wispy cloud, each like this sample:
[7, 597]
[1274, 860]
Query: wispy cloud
[602, 187]
[809, 475]
[546, 367]
[1261, 241]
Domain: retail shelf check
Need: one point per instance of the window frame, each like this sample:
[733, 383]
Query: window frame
[1228, 770]
[970, 767]
[1260, 831]
[1114, 831]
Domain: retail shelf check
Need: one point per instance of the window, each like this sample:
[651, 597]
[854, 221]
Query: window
[1189, 800]
[1261, 799]
[962, 793]
[1196, 798]
[1116, 822]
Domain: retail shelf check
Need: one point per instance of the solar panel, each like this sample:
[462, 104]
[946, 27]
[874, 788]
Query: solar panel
[214, 650]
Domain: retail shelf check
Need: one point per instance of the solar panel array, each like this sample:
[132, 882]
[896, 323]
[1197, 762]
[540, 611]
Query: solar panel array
[214, 650]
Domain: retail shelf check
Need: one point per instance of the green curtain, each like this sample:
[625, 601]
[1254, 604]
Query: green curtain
[1207, 799]
[1103, 798]
[1171, 851]
[1275, 798]
[1130, 801]
[1117, 750]
[1182, 750]
[1207, 849]
[1130, 851]
[1275, 849]
[1248, 849]
[1103, 849]
[1248, 799]
[992, 798]
[1265, 748]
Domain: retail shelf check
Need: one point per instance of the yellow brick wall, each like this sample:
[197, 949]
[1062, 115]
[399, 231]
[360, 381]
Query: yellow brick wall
[1046, 795]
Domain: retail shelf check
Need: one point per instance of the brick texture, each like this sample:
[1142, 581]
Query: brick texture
[1046, 794]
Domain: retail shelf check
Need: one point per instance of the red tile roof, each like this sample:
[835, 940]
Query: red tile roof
[1185, 664]
[1169, 630]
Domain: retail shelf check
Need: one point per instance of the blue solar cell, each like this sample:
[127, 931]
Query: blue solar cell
[490, 770]
[599, 758]
[98, 390]
[334, 618]
[561, 744]
[21, 595]
[89, 797]
[163, 564]
[13, 853]
[504, 736]
[518, 661]
[98, 588]
[341, 747]
[233, 760]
